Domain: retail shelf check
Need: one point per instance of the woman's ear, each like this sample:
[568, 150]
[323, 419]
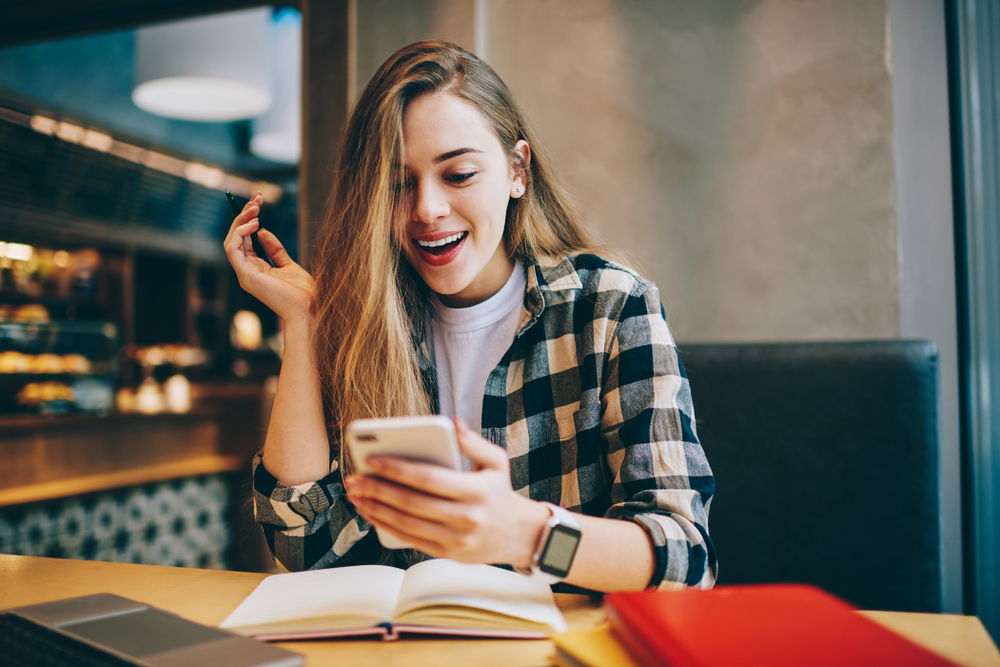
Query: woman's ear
[522, 158]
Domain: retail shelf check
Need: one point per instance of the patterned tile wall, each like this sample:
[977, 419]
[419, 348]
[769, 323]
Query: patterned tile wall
[181, 523]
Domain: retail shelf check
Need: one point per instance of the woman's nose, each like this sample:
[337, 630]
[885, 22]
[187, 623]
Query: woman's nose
[430, 204]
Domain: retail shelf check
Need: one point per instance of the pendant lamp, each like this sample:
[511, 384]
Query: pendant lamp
[277, 135]
[211, 69]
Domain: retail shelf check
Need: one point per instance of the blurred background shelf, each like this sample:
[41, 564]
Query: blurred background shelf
[133, 480]
[193, 467]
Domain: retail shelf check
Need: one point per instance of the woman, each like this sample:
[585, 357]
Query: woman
[452, 276]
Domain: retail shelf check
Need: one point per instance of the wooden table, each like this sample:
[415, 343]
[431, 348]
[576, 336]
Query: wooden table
[207, 596]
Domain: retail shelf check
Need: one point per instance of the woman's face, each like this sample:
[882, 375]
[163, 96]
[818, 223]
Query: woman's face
[457, 182]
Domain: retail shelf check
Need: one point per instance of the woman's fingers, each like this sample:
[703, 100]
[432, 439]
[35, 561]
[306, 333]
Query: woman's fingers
[483, 453]
[425, 477]
[404, 530]
[250, 211]
[238, 245]
[257, 200]
[440, 481]
[410, 502]
[455, 510]
[428, 536]
[248, 222]
[272, 246]
[287, 288]
[243, 225]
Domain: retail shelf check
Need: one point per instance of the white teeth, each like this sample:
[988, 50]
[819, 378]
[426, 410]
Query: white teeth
[440, 242]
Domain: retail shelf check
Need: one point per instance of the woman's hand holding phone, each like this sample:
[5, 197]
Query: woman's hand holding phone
[473, 517]
[285, 288]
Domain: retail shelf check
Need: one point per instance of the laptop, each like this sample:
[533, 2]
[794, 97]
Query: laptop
[134, 632]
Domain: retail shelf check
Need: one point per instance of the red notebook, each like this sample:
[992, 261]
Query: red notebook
[777, 625]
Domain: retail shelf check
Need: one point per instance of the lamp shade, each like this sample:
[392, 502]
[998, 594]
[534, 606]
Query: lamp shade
[277, 135]
[207, 69]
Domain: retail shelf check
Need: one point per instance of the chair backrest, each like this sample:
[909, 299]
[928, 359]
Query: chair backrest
[826, 464]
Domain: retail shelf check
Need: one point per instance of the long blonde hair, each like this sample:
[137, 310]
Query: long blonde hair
[369, 304]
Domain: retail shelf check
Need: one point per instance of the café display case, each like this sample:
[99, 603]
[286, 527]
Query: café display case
[59, 346]
[119, 382]
[55, 367]
[127, 397]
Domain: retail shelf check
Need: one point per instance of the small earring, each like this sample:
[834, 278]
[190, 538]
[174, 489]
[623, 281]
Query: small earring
[520, 189]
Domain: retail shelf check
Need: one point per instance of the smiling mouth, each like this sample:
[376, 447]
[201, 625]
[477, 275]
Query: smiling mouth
[441, 246]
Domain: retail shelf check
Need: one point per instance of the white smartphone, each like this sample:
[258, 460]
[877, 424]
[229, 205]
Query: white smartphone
[429, 438]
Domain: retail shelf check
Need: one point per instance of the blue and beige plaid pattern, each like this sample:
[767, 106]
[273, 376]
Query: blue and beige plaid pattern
[594, 409]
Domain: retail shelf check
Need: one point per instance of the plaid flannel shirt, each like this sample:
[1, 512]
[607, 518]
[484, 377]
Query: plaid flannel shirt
[594, 409]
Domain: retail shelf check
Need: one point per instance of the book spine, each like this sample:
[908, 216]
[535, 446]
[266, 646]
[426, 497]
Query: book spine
[378, 630]
[633, 641]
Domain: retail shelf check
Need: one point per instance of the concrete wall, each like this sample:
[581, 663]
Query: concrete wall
[741, 151]
[383, 26]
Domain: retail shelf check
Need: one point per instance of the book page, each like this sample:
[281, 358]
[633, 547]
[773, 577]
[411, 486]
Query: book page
[448, 590]
[334, 598]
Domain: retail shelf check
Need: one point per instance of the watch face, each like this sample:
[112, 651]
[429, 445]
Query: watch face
[557, 556]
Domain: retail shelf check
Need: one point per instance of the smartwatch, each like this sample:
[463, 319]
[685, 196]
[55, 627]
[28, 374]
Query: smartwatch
[556, 548]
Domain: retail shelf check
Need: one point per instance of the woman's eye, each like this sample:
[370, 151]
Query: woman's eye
[458, 179]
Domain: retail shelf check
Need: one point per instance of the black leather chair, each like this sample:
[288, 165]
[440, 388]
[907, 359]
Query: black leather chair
[826, 464]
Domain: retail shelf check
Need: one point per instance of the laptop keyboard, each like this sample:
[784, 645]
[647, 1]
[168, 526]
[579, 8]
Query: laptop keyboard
[27, 644]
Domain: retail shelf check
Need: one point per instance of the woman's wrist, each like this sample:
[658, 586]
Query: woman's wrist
[299, 327]
[533, 520]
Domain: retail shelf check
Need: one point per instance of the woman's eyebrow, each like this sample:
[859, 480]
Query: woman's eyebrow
[455, 153]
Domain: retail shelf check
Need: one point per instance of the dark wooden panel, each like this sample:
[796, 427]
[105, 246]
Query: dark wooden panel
[36, 20]
[111, 444]
[46, 177]
[326, 29]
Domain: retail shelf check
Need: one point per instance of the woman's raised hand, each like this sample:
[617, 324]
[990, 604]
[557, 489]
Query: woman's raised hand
[285, 288]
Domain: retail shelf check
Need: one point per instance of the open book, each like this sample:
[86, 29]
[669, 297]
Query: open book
[432, 597]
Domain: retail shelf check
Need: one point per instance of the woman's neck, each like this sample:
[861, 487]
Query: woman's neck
[489, 281]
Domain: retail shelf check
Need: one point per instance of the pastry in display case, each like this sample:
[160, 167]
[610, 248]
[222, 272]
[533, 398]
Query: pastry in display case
[171, 363]
[56, 366]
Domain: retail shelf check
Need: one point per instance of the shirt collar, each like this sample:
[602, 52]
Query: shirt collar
[551, 276]
[546, 276]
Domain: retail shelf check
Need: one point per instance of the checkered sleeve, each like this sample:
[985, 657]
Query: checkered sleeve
[311, 525]
[661, 478]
